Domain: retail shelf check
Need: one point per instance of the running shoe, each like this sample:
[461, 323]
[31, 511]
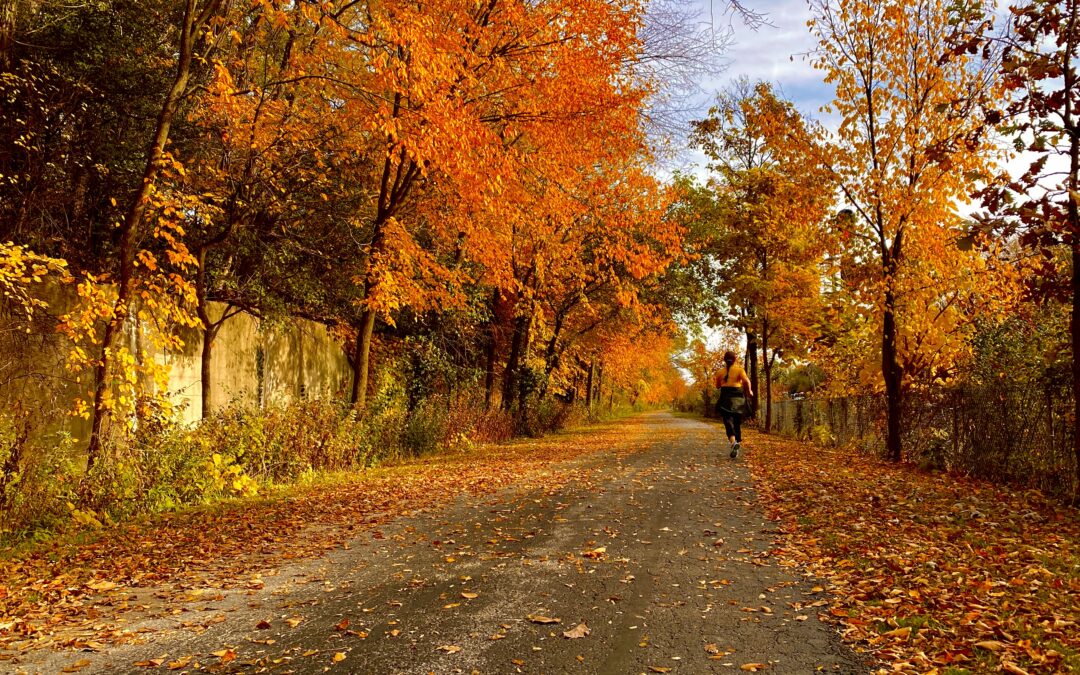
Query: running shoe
[734, 450]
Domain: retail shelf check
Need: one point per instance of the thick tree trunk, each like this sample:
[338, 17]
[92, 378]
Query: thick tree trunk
[552, 354]
[132, 223]
[752, 366]
[362, 362]
[518, 350]
[209, 334]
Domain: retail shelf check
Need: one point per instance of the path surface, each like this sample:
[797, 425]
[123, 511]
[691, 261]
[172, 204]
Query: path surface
[662, 553]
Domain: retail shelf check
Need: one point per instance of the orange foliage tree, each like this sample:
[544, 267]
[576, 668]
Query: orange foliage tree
[772, 199]
[907, 152]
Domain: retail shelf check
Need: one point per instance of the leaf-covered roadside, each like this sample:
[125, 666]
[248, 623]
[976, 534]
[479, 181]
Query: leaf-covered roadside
[70, 594]
[931, 573]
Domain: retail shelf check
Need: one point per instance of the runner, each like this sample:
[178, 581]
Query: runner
[732, 383]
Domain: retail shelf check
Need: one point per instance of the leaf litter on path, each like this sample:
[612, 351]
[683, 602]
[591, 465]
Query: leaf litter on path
[930, 572]
[54, 594]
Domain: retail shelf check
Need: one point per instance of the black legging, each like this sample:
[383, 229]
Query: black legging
[731, 400]
[733, 424]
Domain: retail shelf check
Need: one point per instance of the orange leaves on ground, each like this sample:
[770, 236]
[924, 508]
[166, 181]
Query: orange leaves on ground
[46, 595]
[929, 571]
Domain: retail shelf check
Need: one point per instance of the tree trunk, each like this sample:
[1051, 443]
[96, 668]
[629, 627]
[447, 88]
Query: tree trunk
[209, 331]
[489, 367]
[752, 364]
[552, 354]
[7, 34]
[589, 384]
[891, 371]
[518, 350]
[599, 382]
[209, 334]
[129, 236]
[766, 364]
[1074, 329]
[362, 362]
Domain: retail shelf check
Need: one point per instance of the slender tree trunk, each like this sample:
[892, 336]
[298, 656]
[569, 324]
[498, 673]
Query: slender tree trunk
[1074, 222]
[891, 370]
[599, 382]
[752, 363]
[7, 34]
[489, 366]
[766, 364]
[129, 237]
[589, 384]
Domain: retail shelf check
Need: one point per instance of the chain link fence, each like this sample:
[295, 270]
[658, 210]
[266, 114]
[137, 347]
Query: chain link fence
[1009, 434]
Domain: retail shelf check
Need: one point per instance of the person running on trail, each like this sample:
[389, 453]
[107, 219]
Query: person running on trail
[732, 383]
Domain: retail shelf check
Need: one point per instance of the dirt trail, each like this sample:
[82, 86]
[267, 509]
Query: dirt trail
[661, 552]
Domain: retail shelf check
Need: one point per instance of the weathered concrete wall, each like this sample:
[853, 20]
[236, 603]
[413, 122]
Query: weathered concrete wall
[252, 364]
[258, 366]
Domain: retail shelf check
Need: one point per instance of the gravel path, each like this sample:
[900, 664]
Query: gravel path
[662, 554]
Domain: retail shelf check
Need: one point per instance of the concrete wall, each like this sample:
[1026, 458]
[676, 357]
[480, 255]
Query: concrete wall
[253, 363]
[258, 366]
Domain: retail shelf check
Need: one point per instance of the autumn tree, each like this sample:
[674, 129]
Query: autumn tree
[771, 202]
[908, 150]
[1038, 53]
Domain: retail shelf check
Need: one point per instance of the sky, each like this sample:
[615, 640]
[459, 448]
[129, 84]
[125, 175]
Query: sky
[776, 52]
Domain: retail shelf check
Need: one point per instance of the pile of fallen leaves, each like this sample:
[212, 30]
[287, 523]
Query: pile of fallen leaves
[64, 592]
[931, 573]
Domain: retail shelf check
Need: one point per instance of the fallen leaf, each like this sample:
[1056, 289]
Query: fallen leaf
[339, 657]
[178, 663]
[77, 666]
[294, 621]
[225, 655]
[578, 631]
[660, 669]
[992, 645]
[539, 618]
[263, 625]
[711, 649]
[753, 667]
[151, 663]
[449, 649]
[342, 625]
[470, 596]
